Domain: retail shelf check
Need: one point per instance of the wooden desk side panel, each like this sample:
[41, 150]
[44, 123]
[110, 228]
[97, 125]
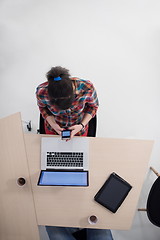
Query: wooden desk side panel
[71, 206]
[17, 212]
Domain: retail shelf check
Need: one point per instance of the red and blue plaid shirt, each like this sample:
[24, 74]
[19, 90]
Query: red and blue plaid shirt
[86, 101]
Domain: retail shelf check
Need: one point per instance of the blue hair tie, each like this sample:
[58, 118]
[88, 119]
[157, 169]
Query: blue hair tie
[57, 78]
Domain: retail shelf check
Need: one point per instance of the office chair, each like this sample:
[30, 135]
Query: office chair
[91, 129]
[153, 201]
[41, 129]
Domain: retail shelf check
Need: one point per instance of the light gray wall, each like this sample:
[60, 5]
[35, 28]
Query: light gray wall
[114, 43]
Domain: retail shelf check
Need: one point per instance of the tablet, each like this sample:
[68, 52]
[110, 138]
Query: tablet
[113, 192]
[63, 178]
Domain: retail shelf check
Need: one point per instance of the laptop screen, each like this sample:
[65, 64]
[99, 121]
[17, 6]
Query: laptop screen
[63, 178]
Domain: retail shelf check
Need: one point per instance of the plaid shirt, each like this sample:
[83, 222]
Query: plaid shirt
[86, 101]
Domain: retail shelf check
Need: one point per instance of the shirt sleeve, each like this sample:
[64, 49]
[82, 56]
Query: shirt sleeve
[92, 102]
[42, 102]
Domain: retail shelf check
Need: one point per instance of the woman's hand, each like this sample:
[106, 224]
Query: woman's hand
[75, 129]
[78, 127]
[57, 128]
[54, 125]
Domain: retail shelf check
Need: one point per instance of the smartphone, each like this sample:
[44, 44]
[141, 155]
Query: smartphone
[66, 134]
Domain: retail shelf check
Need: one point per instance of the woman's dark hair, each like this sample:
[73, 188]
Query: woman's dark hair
[60, 92]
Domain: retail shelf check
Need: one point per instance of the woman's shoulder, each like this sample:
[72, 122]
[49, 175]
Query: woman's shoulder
[82, 82]
[42, 88]
[43, 85]
[83, 86]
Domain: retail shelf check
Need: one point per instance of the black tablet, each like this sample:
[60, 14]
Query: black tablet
[63, 178]
[113, 192]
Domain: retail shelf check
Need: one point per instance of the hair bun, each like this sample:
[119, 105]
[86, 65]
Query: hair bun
[57, 72]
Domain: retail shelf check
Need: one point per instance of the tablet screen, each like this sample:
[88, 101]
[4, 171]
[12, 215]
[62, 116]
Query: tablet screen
[63, 178]
[113, 192]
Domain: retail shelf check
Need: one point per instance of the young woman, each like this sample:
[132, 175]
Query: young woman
[66, 102]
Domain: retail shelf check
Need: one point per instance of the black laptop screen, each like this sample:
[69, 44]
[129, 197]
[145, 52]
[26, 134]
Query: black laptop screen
[63, 178]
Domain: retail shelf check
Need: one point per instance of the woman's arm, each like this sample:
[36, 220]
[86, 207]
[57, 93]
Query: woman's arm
[42, 98]
[54, 125]
[78, 127]
[86, 119]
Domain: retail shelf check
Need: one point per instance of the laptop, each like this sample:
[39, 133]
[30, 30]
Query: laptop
[64, 163]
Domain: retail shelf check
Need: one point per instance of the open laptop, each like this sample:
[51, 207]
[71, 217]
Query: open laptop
[64, 163]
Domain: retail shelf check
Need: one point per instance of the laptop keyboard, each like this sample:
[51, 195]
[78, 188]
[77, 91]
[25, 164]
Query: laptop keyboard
[65, 159]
